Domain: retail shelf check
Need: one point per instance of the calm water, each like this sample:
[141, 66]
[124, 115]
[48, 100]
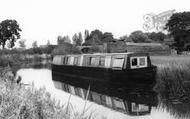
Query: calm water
[113, 107]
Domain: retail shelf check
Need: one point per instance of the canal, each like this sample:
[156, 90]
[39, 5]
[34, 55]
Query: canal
[134, 105]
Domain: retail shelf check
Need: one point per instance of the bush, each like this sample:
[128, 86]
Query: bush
[21, 102]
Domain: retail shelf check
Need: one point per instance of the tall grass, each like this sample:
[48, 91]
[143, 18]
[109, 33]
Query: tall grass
[174, 81]
[20, 102]
[167, 61]
[173, 84]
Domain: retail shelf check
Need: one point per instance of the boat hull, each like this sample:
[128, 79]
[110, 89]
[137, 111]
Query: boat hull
[102, 79]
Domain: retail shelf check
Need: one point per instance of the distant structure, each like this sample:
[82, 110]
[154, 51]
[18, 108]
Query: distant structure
[111, 47]
[151, 48]
[119, 47]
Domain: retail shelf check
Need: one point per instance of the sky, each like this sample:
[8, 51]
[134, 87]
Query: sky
[42, 20]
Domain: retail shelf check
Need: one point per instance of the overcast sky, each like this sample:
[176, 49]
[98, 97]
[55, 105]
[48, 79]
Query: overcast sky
[43, 20]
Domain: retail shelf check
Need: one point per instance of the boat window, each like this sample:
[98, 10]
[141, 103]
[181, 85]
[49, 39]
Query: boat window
[64, 60]
[102, 61]
[78, 60]
[135, 107]
[134, 62]
[88, 61]
[81, 61]
[94, 61]
[139, 108]
[138, 62]
[70, 60]
[107, 61]
[141, 61]
[75, 61]
[118, 63]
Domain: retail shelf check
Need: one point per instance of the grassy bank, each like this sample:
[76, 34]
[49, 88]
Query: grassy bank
[171, 60]
[173, 83]
[19, 59]
[25, 102]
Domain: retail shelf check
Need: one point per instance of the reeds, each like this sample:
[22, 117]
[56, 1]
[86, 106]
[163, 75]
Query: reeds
[173, 81]
[25, 102]
[173, 87]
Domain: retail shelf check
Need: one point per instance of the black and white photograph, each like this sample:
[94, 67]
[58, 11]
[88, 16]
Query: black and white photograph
[94, 59]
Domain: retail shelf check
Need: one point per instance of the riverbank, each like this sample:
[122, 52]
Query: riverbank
[19, 59]
[23, 101]
[173, 83]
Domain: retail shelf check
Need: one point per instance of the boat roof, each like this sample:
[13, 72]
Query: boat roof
[125, 53]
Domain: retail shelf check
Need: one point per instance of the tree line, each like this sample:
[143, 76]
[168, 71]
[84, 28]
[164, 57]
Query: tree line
[177, 27]
[97, 37]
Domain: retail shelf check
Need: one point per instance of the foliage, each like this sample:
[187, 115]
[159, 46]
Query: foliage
[157, 37]
[66, 48]
[125, 38]
[97, 37]
[119, 46]
[94, 40]
[21, 102]
[173, 86]
[179, 27]
[95, 49]
[38, 50]
[173, 81]
[34, 44]
[139, 37]
[48, 43]
[107, 37]
[22, 43]
[77, 39]
[86, 35]
[9, 31]
[62, 40]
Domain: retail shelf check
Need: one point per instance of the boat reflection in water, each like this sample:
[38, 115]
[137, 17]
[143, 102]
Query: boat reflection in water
[120, 81]
[131, 103]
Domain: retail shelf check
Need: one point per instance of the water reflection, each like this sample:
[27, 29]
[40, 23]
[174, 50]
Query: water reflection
[132, 106]
[104, 104]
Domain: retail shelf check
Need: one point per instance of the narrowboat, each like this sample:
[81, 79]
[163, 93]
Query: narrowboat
[102, 71]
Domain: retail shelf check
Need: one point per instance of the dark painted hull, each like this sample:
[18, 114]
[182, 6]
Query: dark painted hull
[101, 79]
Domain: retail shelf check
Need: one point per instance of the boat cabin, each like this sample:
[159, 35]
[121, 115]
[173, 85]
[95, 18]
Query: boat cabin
[105, 60]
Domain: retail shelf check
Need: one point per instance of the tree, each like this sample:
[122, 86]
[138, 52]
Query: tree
[125, 38]
[97, 37]
[9, 31]
[22, 44]
[62, 40]
[179, 27]
[86, 35]
[75, 38]
[157, 37]
[94, 40]
[98, 34]
[79, 41]
[35, 44]
[139, 37]
[48, 43]
[107, 37]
